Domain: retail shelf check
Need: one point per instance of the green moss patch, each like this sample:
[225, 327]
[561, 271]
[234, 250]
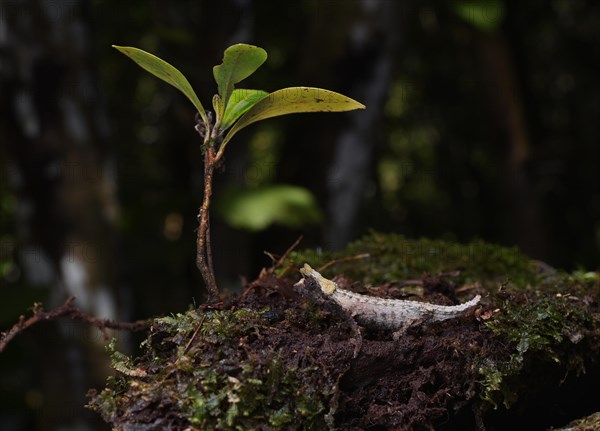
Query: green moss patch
[215, 370]
[391, 257]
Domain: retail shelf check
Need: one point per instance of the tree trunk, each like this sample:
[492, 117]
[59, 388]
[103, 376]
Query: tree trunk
[373, 45]
[508, 112]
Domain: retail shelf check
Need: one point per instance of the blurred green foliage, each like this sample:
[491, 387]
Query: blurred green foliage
[257, 208]
[484, 14]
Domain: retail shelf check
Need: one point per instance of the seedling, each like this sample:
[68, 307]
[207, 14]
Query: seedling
[234, 109]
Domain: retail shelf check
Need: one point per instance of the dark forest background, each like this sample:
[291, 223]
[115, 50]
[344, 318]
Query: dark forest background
[483, 121]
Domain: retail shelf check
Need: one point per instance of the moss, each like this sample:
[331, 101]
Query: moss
[391, 257]
[211, 381]
[274, 363]
[548, 324]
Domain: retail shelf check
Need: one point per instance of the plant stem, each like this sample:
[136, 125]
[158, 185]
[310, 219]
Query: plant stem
[203, 251]
[209, 257]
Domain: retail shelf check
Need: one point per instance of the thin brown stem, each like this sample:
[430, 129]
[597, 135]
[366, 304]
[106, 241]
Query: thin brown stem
[203, 251]
[285, 255]
[343, 259]
[189, 343]
[209, 256]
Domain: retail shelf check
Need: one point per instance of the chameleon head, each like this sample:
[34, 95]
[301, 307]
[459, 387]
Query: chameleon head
[327, 286]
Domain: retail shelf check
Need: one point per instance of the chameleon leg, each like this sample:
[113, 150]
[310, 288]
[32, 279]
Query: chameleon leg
[357, 341]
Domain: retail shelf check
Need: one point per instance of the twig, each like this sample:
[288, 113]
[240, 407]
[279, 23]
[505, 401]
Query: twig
[284, 255]
[270, 256]
[67, 309]
[468, 287]
[343, 259]
[189, 343]
[403, 283]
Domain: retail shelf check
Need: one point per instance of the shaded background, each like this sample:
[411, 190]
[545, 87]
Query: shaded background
[482, 122]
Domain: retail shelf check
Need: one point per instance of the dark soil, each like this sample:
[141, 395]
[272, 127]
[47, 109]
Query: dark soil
[415, 382]
[272, 359]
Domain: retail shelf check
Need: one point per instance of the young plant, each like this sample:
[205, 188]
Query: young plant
[234, 109]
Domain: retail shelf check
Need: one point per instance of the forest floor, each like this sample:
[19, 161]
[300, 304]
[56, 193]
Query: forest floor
[526, 358]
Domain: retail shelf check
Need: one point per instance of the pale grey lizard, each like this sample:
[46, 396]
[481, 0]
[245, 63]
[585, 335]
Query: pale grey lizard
[379, 313]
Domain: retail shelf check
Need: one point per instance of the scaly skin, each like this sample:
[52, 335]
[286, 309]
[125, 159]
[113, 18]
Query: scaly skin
[393, 314]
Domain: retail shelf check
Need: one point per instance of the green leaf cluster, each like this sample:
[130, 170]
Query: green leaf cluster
[237, 108]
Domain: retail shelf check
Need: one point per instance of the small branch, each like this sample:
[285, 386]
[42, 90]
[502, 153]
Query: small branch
[284, 256]
[276, 263]
[189, 343]
[67, 309]
[343, 259]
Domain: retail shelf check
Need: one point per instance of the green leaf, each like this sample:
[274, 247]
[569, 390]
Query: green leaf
[487, 15]
[256, 209]
[239, 102]
[218, 105]
[294, 100]
[163, 70]
[239, 62]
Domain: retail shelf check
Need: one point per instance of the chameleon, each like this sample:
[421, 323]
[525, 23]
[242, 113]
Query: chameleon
[392, 314]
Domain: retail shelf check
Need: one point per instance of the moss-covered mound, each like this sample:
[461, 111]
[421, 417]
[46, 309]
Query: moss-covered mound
[235, 369]
[270, 359]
